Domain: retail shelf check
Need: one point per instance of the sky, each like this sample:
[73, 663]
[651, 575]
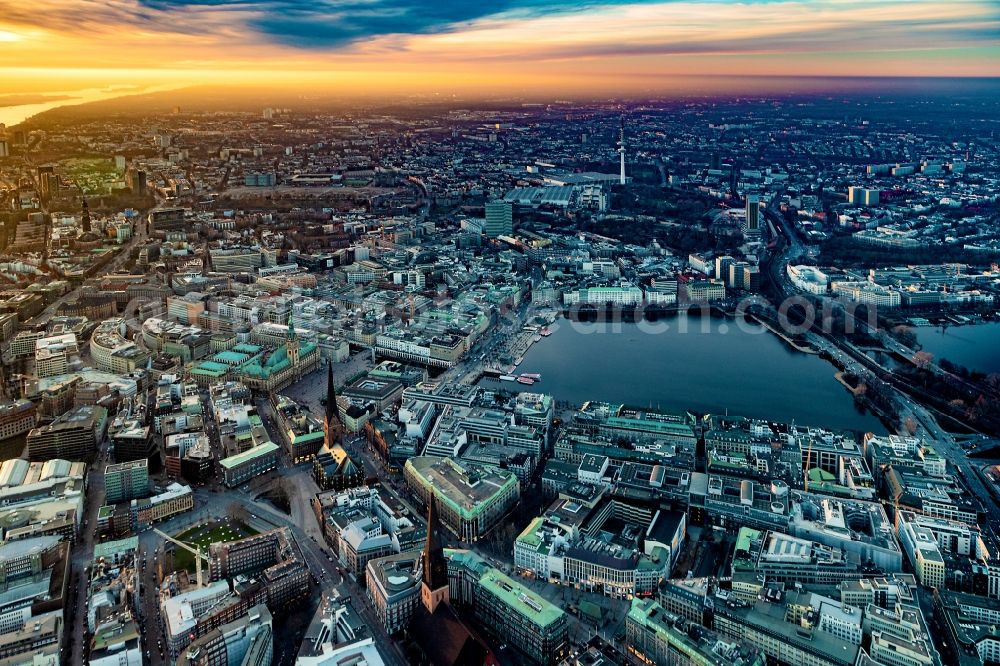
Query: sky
[456, 46]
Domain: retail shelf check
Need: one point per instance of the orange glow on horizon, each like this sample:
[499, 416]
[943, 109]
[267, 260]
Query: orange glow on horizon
[628, 48]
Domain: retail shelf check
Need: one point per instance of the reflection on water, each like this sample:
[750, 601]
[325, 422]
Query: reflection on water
[702, 364]
[976, 346]
[12, 115]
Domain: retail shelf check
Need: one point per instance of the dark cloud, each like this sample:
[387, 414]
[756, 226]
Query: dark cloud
[337, 23]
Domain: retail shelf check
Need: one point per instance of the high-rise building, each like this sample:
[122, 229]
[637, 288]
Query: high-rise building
[621, 151]
[722, 264]
[136, 180]
[861, 196]
[4, 148]
[126, 481]
[48, 181]
[499, 218]
[751, 225]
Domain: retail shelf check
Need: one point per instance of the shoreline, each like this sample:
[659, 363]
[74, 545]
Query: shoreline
[18, 114]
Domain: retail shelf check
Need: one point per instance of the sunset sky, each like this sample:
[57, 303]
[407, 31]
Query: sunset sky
[452, 45]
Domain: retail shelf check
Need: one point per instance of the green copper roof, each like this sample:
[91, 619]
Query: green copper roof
[248, 455]
[526, 603]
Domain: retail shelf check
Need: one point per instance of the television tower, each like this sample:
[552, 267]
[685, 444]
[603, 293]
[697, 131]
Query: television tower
[621, 149]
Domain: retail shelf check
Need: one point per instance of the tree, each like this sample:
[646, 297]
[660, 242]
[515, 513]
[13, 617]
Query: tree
[237, 512]
[910, 425]
[905, 336]
[922, 359]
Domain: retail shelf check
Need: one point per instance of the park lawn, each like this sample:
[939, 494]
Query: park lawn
[202, 535]
[93, 175]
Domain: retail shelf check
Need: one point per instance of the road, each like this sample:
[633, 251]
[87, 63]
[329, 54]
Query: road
[82, 557]
[124, 254]
[869, 370]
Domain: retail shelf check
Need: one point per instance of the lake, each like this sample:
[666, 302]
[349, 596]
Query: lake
[975, 346]
[18, 113]
[698, 363]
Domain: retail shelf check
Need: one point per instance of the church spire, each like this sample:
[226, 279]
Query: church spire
[206, 260]
[331, 418]
[294, 350]
[85, 219]
[435, 574]
[331, 398]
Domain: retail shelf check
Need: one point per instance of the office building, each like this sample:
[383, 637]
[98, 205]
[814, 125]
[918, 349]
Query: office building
[247, 641]
[53, 354]
[499, 219]
[35, 638]
[175, 499]
[899, 637]
[787, 559]
[126, 481]
[658, 638]
[506, 609]
[393, 585]
[472, 499]
[751, 223]
[969, 626]
[242, 467]
[789, 628]
[922, 549]
[273, 557]
[516, 614]
[16, 418]
[861, 196]
[570, 542]
[72, 436]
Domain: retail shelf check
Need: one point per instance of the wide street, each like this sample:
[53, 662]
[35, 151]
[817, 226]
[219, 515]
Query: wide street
[82, 556]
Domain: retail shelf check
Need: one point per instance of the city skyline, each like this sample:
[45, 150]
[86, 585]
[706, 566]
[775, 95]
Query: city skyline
[599, 47]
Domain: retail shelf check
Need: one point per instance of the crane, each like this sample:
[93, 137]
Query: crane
[196, 550]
